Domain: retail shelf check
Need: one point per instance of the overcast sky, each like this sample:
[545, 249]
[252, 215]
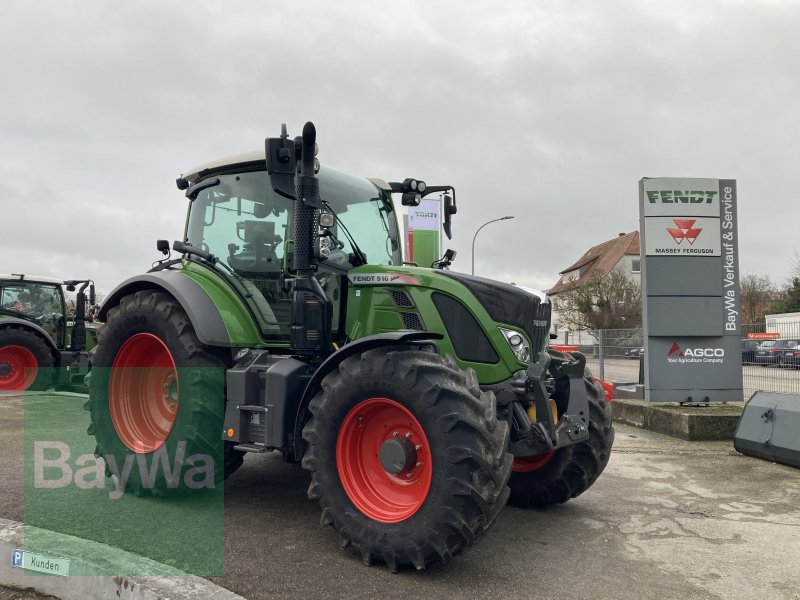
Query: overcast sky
[548, 111]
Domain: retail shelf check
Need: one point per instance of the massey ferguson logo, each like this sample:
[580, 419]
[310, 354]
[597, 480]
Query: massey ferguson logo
[684, 230]
[676, 354]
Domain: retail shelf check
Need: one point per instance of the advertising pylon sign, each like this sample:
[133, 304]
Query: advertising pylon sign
[690, 290]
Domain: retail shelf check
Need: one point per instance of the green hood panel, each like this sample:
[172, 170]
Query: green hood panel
[373, 308]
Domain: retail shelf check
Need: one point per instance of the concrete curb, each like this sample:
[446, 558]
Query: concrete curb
[711, 422]
[87, 557]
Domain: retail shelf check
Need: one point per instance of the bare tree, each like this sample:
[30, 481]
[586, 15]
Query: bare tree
[789, 298]
[610, 302]
[758, 295]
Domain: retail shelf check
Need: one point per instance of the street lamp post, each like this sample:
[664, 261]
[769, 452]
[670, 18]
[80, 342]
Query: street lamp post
[476, 235]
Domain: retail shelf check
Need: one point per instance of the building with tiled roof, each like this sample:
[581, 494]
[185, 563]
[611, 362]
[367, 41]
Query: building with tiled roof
[617, 254]
[621, 253]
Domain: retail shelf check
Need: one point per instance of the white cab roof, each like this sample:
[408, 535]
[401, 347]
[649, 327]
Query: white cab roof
[31, 278]
[233, 159]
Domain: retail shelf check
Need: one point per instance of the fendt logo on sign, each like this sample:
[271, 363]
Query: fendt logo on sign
[682, 196]
[684, 230]
[676, 354]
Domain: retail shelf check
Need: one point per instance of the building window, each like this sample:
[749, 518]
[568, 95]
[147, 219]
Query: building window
[636, 265]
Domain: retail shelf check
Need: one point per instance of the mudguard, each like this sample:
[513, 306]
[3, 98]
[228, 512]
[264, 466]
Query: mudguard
[355, 347]
[203, 313]
[32, 326]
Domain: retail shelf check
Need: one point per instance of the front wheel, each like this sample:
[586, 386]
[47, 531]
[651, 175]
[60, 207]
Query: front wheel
[555, 477]
[407, 458]
[156, 398]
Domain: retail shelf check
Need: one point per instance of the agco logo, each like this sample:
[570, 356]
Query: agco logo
[691, 355]
[684, 230]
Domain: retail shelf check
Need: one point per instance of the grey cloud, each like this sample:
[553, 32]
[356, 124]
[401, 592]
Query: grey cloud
[549, 111]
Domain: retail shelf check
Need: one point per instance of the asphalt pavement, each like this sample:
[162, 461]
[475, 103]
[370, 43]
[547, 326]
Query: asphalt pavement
[667, 519]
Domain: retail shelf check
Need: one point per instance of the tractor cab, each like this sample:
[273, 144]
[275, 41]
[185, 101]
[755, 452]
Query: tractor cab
[40, 301]
[249, 227]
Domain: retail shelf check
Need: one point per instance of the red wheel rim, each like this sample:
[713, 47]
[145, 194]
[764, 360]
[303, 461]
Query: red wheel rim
[377, 493]
[526, 464]
[19, 368]
[143, 393]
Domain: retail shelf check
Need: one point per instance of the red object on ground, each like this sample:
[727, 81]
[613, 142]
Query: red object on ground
[608, 389]
[564, 348]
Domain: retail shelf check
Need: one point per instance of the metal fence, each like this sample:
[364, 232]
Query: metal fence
[770, 355]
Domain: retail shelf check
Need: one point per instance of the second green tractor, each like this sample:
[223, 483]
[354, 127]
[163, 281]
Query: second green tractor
[420, 400]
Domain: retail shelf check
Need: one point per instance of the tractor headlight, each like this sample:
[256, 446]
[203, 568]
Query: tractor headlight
[518, 344]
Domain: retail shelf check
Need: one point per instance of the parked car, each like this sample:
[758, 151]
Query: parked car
[749, 350]
[771, 352]
[634, 352]
[791, 357]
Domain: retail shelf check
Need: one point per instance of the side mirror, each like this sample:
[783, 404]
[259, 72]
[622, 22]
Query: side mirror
[446, 260]
[450, 209]
[162, 246]
[281, 163]
[92, 296]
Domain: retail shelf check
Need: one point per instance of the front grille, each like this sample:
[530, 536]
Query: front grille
[539, 328]
[412, 321]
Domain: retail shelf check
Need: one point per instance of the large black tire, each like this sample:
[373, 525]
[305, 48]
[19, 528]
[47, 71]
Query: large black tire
[158, 324]
[468, 463]
[570, 471]
[20, 348]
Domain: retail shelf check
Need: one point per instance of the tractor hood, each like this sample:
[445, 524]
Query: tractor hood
[506, 303]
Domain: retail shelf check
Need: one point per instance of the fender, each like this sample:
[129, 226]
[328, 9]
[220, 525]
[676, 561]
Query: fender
[355, 347]
[7, 320]
[204, 315]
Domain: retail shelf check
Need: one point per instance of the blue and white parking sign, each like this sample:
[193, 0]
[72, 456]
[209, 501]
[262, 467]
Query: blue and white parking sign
[17, 558]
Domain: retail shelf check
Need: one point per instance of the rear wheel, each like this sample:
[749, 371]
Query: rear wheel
[407, 458]
[26, 362]
[555, 477]
[157, 393]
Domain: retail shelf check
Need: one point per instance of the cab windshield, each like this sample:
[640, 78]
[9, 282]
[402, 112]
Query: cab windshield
[248, 226]
[39, 302]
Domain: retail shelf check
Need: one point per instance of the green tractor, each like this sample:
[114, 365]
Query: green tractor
[38, 336]
[420, 400]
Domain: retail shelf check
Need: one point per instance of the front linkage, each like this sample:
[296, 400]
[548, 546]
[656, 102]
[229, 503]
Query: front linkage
[535, 387]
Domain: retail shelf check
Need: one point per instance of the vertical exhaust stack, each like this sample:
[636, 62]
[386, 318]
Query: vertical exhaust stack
[310, 327]
[78, 337]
